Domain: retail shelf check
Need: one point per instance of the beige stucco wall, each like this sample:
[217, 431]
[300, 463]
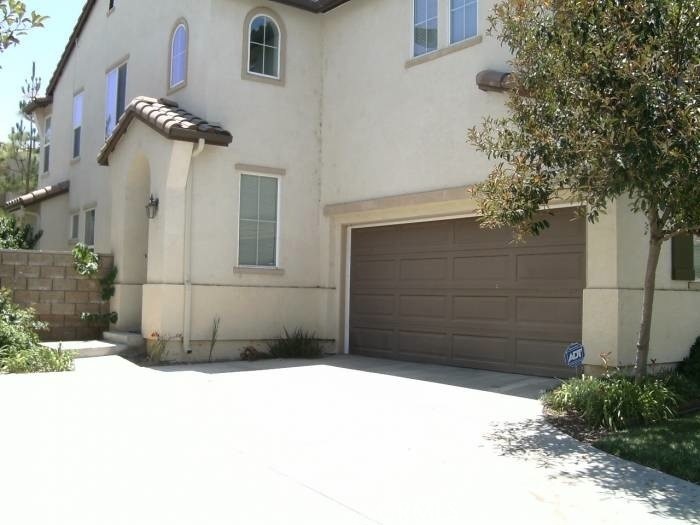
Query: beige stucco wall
[617, 253]
[355, 120]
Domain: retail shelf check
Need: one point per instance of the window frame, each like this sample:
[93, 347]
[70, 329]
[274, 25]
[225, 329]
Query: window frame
[86, 211]
[46, 143]
[413, 31]
[172, 88]
[71, 223]
[277, 266]
[79, 95]
[116, 67]
[246, 74]
[696, 256]
[450, 42]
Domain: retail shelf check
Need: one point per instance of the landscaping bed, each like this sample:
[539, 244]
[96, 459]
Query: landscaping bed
[655, 422]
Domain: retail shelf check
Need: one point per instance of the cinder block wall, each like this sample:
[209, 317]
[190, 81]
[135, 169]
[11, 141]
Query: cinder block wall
[47, 282]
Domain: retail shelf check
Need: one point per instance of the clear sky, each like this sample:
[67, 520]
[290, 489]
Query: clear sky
[43, 46]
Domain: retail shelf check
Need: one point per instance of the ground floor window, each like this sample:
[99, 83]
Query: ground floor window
[257, 241]
[89, 238]
[74, 227]
[697, 257]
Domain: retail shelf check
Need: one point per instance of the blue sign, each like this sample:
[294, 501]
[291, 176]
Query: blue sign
[574, 355]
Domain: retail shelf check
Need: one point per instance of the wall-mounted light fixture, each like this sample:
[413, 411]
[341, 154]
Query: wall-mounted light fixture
[152, 207]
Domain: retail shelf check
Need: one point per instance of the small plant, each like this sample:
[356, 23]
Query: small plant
[297, 345]
[157, 347]
[214, 337]
[87, 263]
[250, 353]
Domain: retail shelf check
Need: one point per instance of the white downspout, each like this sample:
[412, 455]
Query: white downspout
[187, 263]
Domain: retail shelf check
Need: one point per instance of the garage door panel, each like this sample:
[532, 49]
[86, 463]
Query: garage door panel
[480, 308]
[374, 270]
[549, 310]
[550, 268]
[449, 292]
[373, 304]
[422, 235]
[480, 348]
[424, 306]
[373, 339]
[424, 344]
[421, 269]
[540, 352]
[483, 268]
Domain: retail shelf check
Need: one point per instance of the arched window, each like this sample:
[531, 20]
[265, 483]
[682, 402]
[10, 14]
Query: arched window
[264, 45]
[178, 56]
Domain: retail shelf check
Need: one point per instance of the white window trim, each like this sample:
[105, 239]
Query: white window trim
[71, 237]
[115, 67]
[449, 29]
[46, 166]
[279, 49]
[181, 83]
[278, 256]
[94, 223]
[413, 31]
[80, 94]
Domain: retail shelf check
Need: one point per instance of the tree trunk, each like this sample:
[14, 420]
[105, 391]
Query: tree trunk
[655, 242]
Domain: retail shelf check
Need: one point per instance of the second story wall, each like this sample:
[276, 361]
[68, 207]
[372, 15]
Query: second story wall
[393, 124]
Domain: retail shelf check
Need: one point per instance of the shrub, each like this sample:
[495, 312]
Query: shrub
[16, 237]
[690, 366]
[615, 402]
[20, 351]
[38, 359]
[297, 345]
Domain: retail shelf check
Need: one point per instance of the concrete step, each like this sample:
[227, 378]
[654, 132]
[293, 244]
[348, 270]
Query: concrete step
[130, 339]
[86, 349]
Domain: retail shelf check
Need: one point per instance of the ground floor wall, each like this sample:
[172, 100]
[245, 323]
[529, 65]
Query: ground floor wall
[248, 316]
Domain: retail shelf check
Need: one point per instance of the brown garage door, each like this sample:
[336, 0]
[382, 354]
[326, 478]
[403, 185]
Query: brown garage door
[450, 292]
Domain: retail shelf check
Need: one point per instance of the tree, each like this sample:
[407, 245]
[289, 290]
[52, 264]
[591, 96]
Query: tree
[19, 165]
[605, 104]
[16, 21]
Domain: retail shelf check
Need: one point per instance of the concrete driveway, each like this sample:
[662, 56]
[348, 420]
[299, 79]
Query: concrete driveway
[338, 441]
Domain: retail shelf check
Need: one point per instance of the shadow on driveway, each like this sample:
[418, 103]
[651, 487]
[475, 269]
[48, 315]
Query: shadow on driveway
[570, 460]
[529, 387]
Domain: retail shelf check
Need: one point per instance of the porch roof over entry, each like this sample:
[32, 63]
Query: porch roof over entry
[167, 118]
[37, 196]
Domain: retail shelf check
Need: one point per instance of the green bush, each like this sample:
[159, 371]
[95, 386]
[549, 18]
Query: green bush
[20, 351]
[297, 345]
[37, 359]
[690, 366]
[16, 237]
[615, 402]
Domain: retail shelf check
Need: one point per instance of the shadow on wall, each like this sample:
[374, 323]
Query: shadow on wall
[536, 441]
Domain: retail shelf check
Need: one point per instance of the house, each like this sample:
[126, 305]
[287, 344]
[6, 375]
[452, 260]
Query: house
[305, 165]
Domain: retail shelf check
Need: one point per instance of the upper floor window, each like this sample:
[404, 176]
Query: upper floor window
[47, 144]
[178, 56]
[77, 123]
[264, 47]
[463, 20]
[425, 26]
[116, 98]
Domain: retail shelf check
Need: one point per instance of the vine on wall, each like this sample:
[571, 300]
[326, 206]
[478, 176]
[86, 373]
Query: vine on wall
[87, 263]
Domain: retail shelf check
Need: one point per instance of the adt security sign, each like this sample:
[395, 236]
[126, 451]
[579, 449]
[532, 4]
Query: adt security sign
[574, 355]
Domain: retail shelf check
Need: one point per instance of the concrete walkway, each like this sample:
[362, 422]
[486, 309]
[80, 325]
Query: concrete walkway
[332, 442]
